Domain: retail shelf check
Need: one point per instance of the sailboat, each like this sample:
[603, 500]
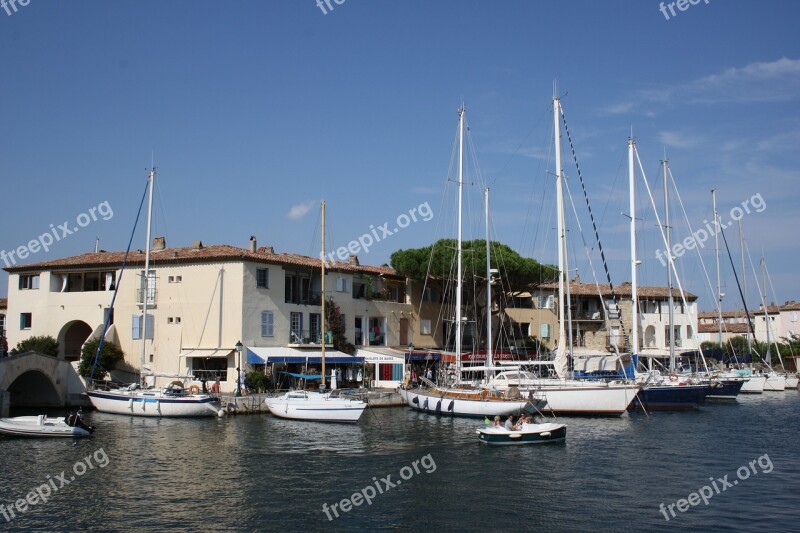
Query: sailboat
[317, 406]
[137, 399]
[565, 395]
[463, 399]
[672, 392]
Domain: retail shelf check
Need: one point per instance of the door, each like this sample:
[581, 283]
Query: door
[403, 332]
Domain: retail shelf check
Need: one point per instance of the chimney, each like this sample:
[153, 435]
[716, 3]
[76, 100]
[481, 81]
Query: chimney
[197, 245]
[159, 243]
[253, 243]
[353, 260]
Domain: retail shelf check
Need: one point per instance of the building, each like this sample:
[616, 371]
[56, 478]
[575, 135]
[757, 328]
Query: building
[734, 324]
[3, 343]
[783, 321]
[202, 301]
[601, 326]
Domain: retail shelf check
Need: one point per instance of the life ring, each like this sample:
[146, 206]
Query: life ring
[194, 389]
[673, 377]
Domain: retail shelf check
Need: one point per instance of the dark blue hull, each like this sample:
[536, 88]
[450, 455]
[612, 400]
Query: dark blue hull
[726, 389]
[660, 398]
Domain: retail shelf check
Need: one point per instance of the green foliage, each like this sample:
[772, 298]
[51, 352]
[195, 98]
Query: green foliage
[336, 326]
[519, 273]
[110, 356]
[257, 381]
[43, 344]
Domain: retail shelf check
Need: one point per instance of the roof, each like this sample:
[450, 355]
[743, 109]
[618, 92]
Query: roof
[791, 305]
[738, 313]
[726, 328]
[199, 254]
[590, 289]
[3, 303]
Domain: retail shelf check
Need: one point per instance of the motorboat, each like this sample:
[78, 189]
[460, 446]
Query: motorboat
[44, 426]
[525, 434]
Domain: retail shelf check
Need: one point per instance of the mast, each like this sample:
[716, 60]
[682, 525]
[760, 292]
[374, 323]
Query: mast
[716, 252]
[151, 177]
[322, 289]
[489, 362]
[634, 286]
[562, 337]
[744, 283]
[669, 271]
[766, 310]
[460, 266]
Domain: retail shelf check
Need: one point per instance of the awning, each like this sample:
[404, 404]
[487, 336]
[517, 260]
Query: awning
[373, 356]
[422, 356]
[207, 352]
[303, 376]
[260, 356]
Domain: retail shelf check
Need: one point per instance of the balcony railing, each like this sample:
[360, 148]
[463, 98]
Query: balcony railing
[585, 316]
[312, 298]
[309, 338]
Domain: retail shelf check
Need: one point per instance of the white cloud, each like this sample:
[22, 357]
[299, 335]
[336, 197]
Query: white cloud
[676, 139]
[300, 210]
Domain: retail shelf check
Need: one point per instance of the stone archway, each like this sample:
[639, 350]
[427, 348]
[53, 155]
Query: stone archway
[75, 335]
[34, 389]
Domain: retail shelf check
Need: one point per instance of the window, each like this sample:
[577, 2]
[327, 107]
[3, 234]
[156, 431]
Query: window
[544, 331]
[29, 282]
[296, 325]
[169, 320]
[262, 278]
[136, 329]
[341, 285]
[546, 302]
[315, 324]
[267, 324]
[2, 325]
[430, 295]
[148, 288]
[425, 327]
[25, 320]
[171, 279]
[174, 320]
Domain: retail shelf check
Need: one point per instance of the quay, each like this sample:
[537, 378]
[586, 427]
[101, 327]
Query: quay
[253, 404]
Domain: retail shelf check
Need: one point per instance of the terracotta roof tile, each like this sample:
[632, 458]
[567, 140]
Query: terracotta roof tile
[726, 328]
[623, 290]
[205, 254]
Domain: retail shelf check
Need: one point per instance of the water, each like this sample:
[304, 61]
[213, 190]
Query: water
[258, 473]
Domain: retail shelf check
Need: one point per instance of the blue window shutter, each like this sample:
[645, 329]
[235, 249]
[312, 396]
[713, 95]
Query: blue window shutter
[150, 326]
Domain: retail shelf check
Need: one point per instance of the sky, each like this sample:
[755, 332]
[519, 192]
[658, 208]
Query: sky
[255, 111]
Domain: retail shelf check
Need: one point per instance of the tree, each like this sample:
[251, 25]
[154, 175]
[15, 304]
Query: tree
[336, 326]
[518, 273]
[110, 356]
[43, 344]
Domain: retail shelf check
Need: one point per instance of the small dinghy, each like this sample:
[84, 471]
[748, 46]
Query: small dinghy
[42, 426]
[525, 434]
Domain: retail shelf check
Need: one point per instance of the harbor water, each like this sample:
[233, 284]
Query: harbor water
[729, 466]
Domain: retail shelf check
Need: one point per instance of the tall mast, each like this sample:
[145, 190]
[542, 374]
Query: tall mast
[151, 177]
[459, 280]
[716, 251]
[634, 286]
[744, 284]
[669, 270]
[322, 289]
[489, 362]
[562, 337]
[766, 309]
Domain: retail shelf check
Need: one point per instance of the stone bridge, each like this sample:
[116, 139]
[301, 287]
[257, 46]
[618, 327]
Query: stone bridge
[33, 379]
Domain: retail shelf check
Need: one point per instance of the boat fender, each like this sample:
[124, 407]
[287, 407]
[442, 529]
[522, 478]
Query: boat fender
[545, 434]
[439, 406]
[425, 405]
[415, 400]
[451, 406]
[130, 404]
[515, 435]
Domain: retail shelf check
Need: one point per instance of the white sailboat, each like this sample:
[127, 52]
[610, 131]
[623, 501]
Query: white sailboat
[136, 399]
[317, 406]
[463, 400]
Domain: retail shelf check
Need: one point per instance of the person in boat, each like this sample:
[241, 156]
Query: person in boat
[413, 377]
[524, 419]
[509, 425]
[497, 423]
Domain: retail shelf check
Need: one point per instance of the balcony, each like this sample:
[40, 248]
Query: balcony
[307, 338]
[586, 316]
[309, 298]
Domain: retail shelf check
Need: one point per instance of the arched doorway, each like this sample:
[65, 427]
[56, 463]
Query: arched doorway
[74, 337]
[33, 389]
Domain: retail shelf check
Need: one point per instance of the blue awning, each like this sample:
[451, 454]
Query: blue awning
[303, 376]
[260, 356]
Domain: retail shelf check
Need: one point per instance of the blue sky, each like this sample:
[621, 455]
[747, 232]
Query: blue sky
[257, 110]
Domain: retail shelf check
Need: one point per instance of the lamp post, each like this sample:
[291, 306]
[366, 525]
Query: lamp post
[239, 369]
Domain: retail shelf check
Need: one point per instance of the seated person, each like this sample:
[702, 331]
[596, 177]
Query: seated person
[509, 425]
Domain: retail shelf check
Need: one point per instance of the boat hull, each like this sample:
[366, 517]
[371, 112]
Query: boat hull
[754, 385]
[792, 382]
[433, 403]
[671, 397]
[530, 434]
[586, 400]
[40, 426]
[316, 408]
[725, 389]
[775, 383]
[154, 404]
